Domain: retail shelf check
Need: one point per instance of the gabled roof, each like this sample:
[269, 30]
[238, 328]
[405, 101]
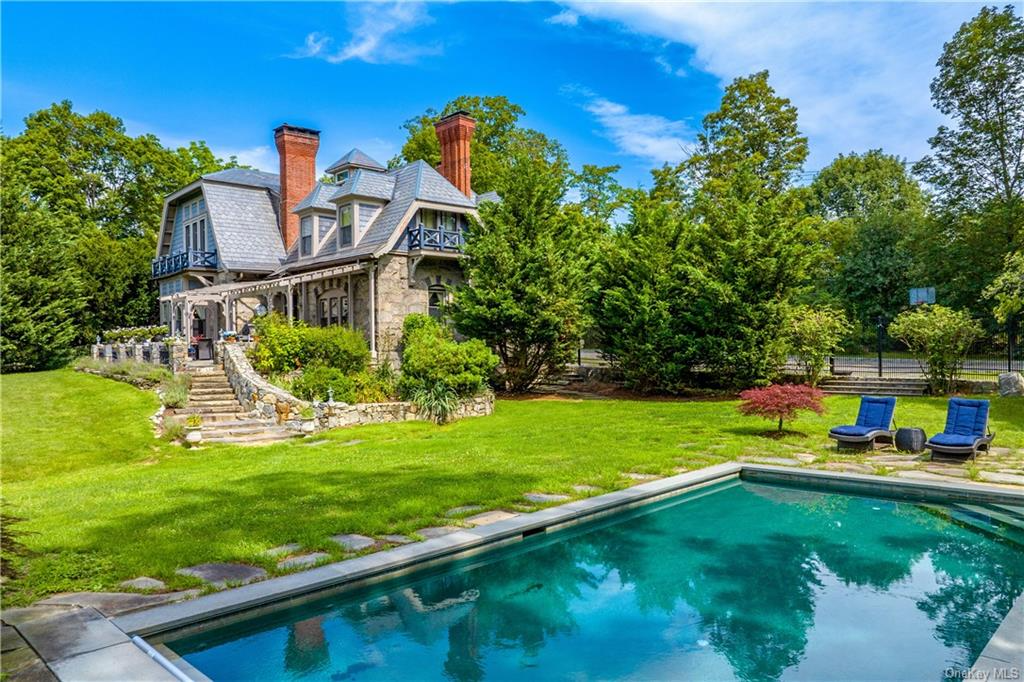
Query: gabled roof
[355, 158]
[432, 186]
[246, 176]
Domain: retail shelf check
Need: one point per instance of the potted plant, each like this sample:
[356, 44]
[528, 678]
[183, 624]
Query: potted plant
[194, 429]
[308, 416]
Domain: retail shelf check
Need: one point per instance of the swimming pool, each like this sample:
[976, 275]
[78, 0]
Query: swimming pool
[739, 580]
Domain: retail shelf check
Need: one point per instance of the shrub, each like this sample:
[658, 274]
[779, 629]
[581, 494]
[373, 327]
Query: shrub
[814, 335]
[430, 356]
[134, 333]
[174, 390]
[280, 347]
[194, 421]
[939, 338]
[781, 401]
[437, 401]
[316, 380]
[174, 429]
[375, 387]
[284, 347]
[153, 374]
[338, 347]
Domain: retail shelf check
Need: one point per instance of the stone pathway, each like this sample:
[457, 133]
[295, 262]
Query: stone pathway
[640, 477]
[114, 603]
[221, 574]
[282, 550]
[437, 531]
[353, 542]
[493, 516]
[302, 560]
[585, 488]
[397, 539]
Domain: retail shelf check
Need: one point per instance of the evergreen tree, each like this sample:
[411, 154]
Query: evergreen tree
[525, 274]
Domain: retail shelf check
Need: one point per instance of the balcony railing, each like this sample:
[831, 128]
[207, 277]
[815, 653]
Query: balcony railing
[183, 260]
[435, 239]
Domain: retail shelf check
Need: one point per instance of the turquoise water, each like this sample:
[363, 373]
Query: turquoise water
[742, 581]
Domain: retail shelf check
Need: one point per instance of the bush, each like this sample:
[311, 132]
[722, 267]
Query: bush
[781, 401]
[939, 338]
[144, 372]
[316, 380]
[338, 347]
[283, 347]
[174, 390]
[375, 386]
[134, 333]
[431, 356]
[174, 429]
[814, 335]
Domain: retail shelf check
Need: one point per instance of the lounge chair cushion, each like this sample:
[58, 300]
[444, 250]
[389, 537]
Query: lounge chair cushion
[853, 430]
[966, 417]
[953, 440]
[876, 413]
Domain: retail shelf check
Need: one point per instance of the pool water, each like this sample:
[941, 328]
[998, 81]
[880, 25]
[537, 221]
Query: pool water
[738, 581]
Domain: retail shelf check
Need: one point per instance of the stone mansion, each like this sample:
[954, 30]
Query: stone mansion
[365, 249]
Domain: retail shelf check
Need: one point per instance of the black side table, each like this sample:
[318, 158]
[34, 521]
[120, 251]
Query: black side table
[910, 440]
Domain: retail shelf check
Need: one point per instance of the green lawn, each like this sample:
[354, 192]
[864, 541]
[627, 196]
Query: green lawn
[106, 501]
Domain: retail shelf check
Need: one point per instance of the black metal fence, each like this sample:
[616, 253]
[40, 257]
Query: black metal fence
[995, 353]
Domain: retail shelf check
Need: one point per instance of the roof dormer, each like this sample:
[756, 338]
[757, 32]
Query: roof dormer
[341, 169]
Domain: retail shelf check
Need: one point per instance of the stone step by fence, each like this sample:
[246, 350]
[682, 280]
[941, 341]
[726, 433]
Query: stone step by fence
[264, 400]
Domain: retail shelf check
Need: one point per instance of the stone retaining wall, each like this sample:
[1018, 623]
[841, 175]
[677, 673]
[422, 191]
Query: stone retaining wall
[263, 399]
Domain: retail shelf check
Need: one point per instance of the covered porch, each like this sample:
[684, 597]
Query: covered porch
[340, 295]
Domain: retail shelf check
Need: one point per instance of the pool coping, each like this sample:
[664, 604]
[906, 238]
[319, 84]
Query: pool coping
[406, 558]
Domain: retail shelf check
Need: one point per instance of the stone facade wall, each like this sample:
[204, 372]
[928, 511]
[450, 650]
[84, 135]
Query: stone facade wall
[263, 399]
[398, 296]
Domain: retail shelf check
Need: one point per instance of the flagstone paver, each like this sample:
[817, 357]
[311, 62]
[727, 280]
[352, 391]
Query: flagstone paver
[541, 498]
[492, 516]
[18, 616]
[805, 457]
[585, 488]
[283, 550]
[437, 531]
[114, 603]
[354, 542]
[783, 461]
[349, 443]
[220, 574]
[302, 560]
[994, 477]
[946, 470]
[852, 467]
[397, 539]
[465, 509]
[926, 476]
[144, 583]
[640, 477]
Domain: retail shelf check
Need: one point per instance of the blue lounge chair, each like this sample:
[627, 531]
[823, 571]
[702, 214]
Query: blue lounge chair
[874, 422]
[966, 429]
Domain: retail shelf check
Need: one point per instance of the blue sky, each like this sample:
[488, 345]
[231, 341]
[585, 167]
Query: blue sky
[616, 83]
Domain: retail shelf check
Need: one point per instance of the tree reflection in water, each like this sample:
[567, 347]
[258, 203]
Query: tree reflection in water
[732, 580]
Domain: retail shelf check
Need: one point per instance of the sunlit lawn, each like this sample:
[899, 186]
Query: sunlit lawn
[106, 501]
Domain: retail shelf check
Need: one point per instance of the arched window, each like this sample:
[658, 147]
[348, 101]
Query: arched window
[437, 297]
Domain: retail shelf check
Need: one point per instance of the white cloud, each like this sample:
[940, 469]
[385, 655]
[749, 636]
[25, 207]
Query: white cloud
[668, 68]
[261, 157]
[374, 31]
[647, 136]
[858, 72]
[564, 18]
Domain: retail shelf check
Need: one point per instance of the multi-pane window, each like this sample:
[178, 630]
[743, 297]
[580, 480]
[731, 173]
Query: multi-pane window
[341, 176]
[195, 235]
[345, 226]
[436, 301]
[306, 235]
[333, 310]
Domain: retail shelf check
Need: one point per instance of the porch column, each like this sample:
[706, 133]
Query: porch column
[187, 320]
[350, 302]
[304, 299]
[372, 276]
[289, 306]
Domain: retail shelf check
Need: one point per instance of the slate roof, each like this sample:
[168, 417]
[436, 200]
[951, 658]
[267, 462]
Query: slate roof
[355, 157]
[245, 176]
[245, 225]
[318, 198]
[486, 196]
[366, 183]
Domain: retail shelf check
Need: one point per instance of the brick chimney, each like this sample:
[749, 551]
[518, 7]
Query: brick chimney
[296, 148]
[454, 132]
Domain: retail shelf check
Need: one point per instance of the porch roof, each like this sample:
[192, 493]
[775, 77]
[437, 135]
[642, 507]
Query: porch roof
[222, 292]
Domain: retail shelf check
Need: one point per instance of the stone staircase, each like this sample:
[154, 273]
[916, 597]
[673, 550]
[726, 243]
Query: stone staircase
[212, 397]
[851, 385]
[566, 383]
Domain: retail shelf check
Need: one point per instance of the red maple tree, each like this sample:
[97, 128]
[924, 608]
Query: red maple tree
[781, 401]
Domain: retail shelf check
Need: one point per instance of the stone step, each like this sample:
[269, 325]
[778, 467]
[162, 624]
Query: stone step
[909, 392]
[265, 436]
[211, 395]
[211, 402]
[209, 383]
[230, 409]
[224, 429]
